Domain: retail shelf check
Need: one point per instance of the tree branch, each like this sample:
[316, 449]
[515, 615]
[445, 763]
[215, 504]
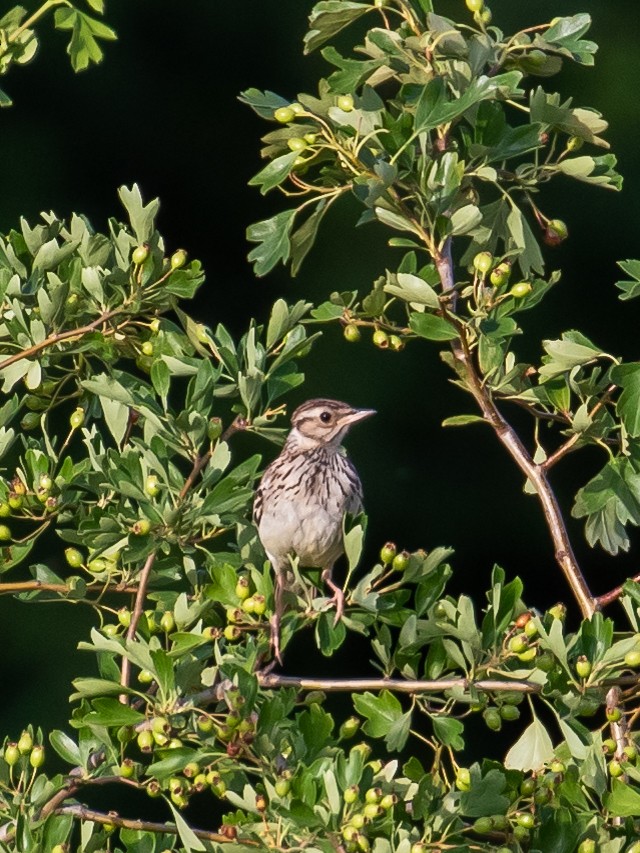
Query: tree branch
[536, 474]
[396, 685]
[138, 607]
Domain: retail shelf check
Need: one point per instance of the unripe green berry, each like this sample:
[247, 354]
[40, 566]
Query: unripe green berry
[152, 486]
[126, 769]
[284, 115]
[140, 254]
[178, 259]
[76, 419]
[15, 501]
[632, 658]
[463, 779]
[531, 629]
[36, 758]
[73, 557]
[358, 820]
[520, 290]
[396, 343]
[5, 533]
[242, 588]
[557, 766]
[380, 339]
[204, 724]
[587, 846]
[500, 275]
[388, 552]
[583, 666]
[349, 727]
[11, 754]
[526, 819]
[282, 787]
[388, 802]
[574, 143]
[154, 326]
[147, 348]
[371, 811]
[509, 712]
[614, 715]
[401, 561]
[124, 617]
[527, 786]
[145, 676]
[556, 232]
[493, 719]
[25, 743]
[167, 622]
[5, 509]
[351, 794]
[615, 768]
[259, 604]
[231, 633]
[518, 643]
[345, 103]
[141, 527]
[483, 825]
[352, 333]
[609, 745]
[483, 262]
[45, 482]
[373, 795]
[296, 143]
[145, 740]
[631, 752]
[475, 5]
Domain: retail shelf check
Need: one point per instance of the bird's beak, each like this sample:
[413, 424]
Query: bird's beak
[356, 415]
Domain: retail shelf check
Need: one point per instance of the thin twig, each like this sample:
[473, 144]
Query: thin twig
[565, 448]
[238, 424]
[614, 594]
[59, 336]
[396, 685]
[82, 813]
[141, 594]
[37, 586]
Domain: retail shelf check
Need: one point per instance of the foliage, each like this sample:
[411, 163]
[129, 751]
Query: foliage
[124, 486]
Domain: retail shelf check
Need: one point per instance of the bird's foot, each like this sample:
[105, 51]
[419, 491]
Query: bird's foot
[337, 598]
[275, 638]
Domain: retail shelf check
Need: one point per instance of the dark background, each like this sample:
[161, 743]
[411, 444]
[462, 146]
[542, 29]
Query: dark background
[162, 111]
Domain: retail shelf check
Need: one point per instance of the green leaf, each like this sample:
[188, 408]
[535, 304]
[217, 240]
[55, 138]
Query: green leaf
[572, 350]
[559, 831]
[462, 420]
[187, 835]
[485, 796]
[328, 17]
[382, 712]
[142, 217]
[83, 47]
[412, 288]
[303, 238]
[532, 750]
[627, 376]
[263, 103]
[593, 170]
[434, 108]
[111, 712]
[272, 235]
[353, 72]
[274, 173]
[448, 731]
[623, 800]
[564, 35]
[630, 289]
[431, 327]
[465, 219]
[66, 748]
[610, 500]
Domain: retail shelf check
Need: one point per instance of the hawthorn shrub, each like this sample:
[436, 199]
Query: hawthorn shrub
[119, 462]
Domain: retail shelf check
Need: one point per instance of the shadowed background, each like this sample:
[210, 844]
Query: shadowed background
[162, 111]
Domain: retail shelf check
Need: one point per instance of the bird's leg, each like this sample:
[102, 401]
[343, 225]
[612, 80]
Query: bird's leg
[277, 615]
[338, 594]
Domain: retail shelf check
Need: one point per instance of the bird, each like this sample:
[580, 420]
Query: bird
[303, 496]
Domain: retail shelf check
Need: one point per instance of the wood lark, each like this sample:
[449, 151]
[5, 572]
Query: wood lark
[303, 496]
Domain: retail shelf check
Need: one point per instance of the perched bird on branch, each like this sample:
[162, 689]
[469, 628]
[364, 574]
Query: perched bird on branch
[303, 496]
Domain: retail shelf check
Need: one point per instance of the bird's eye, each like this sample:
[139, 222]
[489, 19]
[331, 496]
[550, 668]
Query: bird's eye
[325, 417]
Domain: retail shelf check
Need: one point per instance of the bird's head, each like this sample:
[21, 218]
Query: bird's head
[323, 423]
